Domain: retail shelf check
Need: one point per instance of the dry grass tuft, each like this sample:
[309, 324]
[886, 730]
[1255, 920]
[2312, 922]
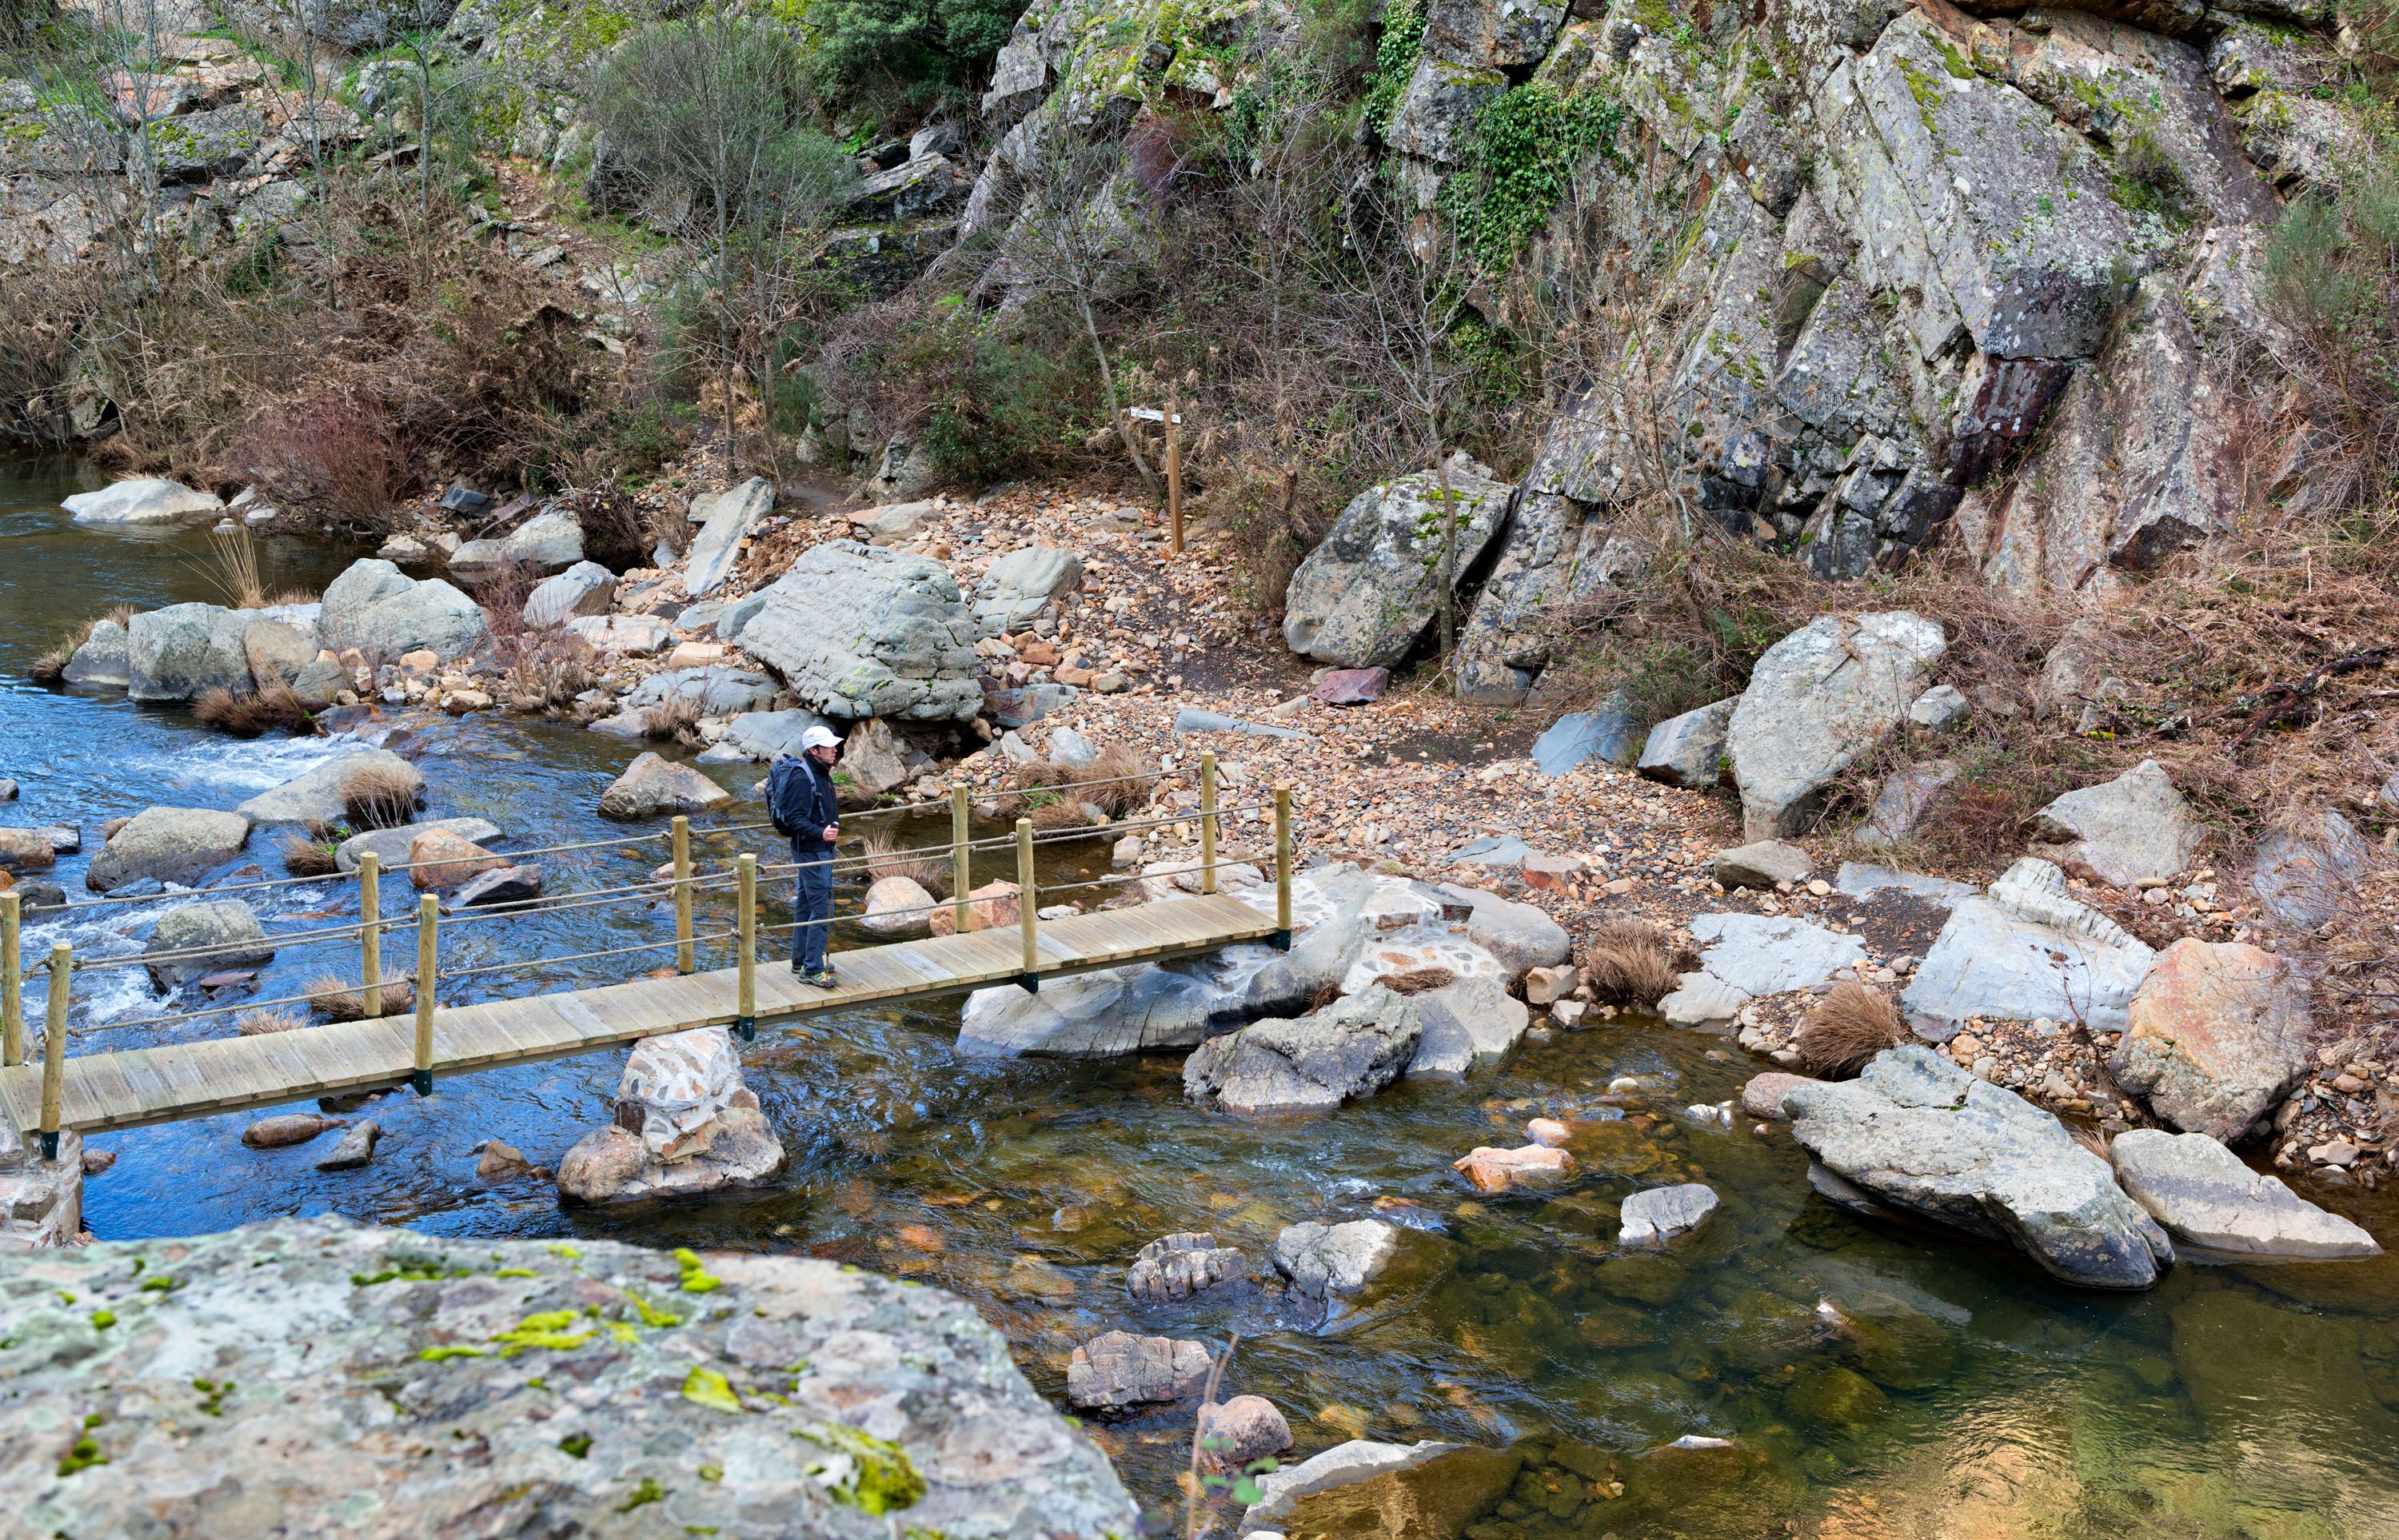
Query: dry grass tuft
[1133, 781]
[335, 1000]
[1629, 964]
[1054, 795]
[51, 666]
[257, 1023]
[1847, 1028]
[676, 717]
[1054, 816]
[1417, 980]
[886, 857]
[306, 856]
[247, 716]
[380, 797]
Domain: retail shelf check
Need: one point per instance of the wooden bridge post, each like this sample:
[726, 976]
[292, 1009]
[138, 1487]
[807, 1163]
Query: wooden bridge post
[428, 913]
[745, 1010]
[1207, 820]
[370, 932]
[961, 860]
[1026, 901]
[12, 984]
[1282, 867]
[54, 1047]
[684, 960]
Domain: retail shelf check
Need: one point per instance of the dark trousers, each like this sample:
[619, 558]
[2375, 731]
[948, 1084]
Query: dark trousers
[813, 901]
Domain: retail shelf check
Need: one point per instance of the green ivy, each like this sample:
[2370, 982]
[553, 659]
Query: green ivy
[1527, 143]
[1395, 61]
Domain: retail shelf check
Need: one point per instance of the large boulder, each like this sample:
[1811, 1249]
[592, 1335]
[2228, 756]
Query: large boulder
[2203, 1194]
[391, 845]
[1117, 1368]
[871, 1394]
[2217, 1037]
[684, 1125]
[1466, 1025]
[1330, 1262]
[2134, 827]
[585, 589]
[726, 519]
[2303, 875]
[2027, 950]
[859, 631]
[279, 650]
[550, 541]
[1819, 698]
[176, 653]
[315, 796]
[146, 500]
[1014, 588]
[438, 858]
[1363, 598]
[760, 736]
[1687, 751]
[168, 845]
[104, 660]
[382, 612]
[713, 689]
[1113, 1011]
[1772, 954]
[1522, 936]
[1916, 1133]
[1352, 1047]
[651, 786]
[217, 936]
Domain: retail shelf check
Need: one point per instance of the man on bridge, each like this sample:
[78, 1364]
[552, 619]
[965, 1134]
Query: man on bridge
[800, 799]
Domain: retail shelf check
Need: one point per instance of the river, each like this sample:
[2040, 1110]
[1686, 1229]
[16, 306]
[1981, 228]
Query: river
[1971, 1397]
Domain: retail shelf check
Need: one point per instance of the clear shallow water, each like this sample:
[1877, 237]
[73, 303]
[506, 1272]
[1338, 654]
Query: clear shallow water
[1964, 1397]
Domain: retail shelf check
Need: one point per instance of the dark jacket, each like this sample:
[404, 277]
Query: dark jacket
[800, 799]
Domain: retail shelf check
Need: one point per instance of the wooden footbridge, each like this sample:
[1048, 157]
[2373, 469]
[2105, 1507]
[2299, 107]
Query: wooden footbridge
[95, 1092]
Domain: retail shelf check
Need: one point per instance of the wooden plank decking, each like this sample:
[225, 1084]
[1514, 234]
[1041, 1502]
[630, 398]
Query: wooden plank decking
[126, 1089]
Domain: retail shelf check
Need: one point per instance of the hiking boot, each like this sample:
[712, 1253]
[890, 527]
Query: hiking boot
[822, 979]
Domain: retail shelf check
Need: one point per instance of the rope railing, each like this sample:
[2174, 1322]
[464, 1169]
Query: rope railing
[682, 885]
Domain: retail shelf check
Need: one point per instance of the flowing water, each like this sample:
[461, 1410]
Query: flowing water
[1866, 1380]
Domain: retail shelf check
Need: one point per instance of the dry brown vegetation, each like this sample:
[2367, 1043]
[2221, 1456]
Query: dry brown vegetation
[886, 857]
[257, 1023]
[310, 855]
[1627, 962]
[249, 714]
[676, 717]
[545, 670]
[335, 1000]
[1847, 1028]
[1055, 796]
[381, 797]
[51, 666]
[1417, 980]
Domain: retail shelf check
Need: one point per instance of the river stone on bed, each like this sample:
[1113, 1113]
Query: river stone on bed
[181, 651]
[103, 661]
[382, 612]
[391, 845]
[315, 796]
[861, 631]
[1469, 1024]
[1919, 1134]
[224, 931]
[2203, 1194]
[812, 1353]
[1772, 954]
[168, 845]
[1352, 1047]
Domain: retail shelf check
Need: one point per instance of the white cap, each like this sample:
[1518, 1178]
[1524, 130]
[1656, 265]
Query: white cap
[818, 737]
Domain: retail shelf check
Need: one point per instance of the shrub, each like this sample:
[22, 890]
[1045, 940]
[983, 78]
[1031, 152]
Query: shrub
[1846, 1029]
[335, 457]
[1000, 408]
[676, 717]
[2334, 268]
[907, 55]
[1629, 964]
[381, 797]
[51, 666]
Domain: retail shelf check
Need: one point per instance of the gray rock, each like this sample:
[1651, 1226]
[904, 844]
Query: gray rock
[1942, 707]
[1327, 1262]
[1857, 880]
[1817, 700]
[726, 519]
[176, 653]
[550, 541]
[1521, 936]
[1191, 720]
[168, 845]
[714, 690]
[874, 760]
[1700, 999]
[1070, 748]
[2304, 877]
[685, 1125]
[2134, 827]
[585, 587]
[1437, 114]
[865, 632]
[2217, 1037]
[1352, 1047]
[146, 500]
[1016, 708]
[1772, 954]
[1763, 863]
[738, 612]
[277, 651]
[223, 933]
[1466, 1025]
[1280, 1492]
[1902, 802]
[1500, 851]
[2204, 1195]
[1177, 1267]
[760, 736]
[1364, 596]
[1118, 1369]
[1687, 751]
[1655, 1215]
[652, 785]
[1094, 1015]
[501, 886]
[1762, 1097]
[889, 523]
[1609, 735]
[383, 613]
[1922, 1135]
[390, 845]
[2025, 950]
[357, 1147]
[994, 1458]
[1016, 587]
[104, 660]
[315, 796]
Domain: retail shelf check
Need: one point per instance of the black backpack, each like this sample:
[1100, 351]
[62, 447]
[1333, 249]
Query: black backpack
[788, 795]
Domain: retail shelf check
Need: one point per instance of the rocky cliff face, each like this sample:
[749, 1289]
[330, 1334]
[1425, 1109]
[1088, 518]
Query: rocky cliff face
[310, 1376]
